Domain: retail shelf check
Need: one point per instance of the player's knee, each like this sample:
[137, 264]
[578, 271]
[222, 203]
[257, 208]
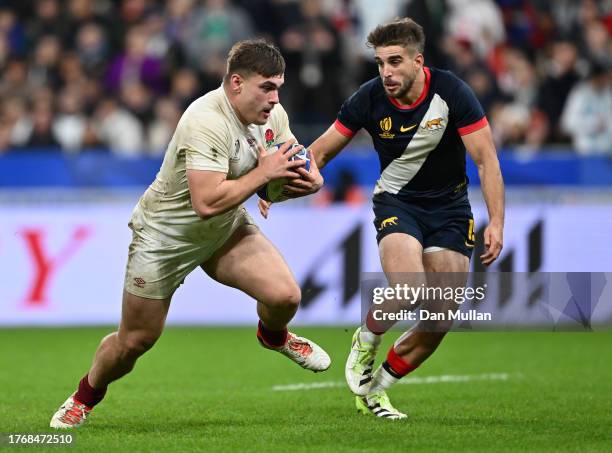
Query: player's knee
[285, 296]
[136, 344]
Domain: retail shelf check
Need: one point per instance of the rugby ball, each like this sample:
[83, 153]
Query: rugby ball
[273, 191]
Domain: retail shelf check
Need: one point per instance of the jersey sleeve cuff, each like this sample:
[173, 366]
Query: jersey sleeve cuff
[482, 122]
[343, 129]
[206, 167]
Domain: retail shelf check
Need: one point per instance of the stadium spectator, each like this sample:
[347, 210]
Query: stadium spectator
[431, 16]
[311, 49]
[586, 117]
[478, 22]
[368, 14]
[16, 120]
[184, 87]
[70, 125]
[177, 14]
[484, 85]
[135, 64]
[118, 129]
[561, 76]
[43, 69]
[14, 78]
[167, 115]
[213, 29]
[80, 13]
[41, 134]
[598, 46]
[13, 32]
[71, 70]
[512, 114]
[135, 97]
[46, 21]
[92, 49]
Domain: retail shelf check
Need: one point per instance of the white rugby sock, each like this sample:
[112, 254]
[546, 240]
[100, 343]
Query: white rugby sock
[382, 380]
[365, 336]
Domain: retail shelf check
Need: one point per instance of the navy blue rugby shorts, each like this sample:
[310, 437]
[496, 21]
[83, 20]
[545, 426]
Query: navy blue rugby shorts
[434, 223]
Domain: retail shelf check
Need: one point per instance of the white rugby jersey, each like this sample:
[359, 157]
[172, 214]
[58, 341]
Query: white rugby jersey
[209, 136]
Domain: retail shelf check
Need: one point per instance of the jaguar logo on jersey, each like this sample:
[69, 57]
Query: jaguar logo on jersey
[434, 125]
[269, 137]
[385, 125]
[387, 222]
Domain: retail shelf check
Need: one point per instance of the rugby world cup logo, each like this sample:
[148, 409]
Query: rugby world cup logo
[385, 125]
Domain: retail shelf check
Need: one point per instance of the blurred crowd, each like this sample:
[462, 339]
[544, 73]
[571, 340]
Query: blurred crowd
[82, 74]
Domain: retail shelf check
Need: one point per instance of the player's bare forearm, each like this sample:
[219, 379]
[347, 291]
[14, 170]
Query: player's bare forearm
[482, 150]
[493, 190]
[213, 194]
[328, 145]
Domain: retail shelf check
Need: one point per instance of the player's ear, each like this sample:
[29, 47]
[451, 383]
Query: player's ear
[419, 59]
[236, 82]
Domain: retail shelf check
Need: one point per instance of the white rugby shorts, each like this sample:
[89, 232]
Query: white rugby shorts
[158, 263]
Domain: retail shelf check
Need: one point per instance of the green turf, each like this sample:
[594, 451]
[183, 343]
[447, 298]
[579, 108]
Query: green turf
[203, 389]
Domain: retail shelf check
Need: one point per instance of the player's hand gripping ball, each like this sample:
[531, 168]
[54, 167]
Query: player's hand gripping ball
[273, 191]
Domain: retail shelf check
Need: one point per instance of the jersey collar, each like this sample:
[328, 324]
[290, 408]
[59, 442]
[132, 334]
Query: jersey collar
[421, 97]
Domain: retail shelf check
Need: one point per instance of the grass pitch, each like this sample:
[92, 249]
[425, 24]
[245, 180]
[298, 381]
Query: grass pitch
[203, 389]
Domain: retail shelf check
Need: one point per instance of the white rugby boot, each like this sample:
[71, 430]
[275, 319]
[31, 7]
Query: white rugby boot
[71, 414]
[378, 404]
[306, 353]
[360, 362]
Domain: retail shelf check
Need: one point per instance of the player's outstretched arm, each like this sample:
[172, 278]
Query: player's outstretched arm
[481, 148]
[328, 145]
[212, 193]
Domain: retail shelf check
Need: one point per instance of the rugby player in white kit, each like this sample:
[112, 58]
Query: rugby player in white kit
[192, 215]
